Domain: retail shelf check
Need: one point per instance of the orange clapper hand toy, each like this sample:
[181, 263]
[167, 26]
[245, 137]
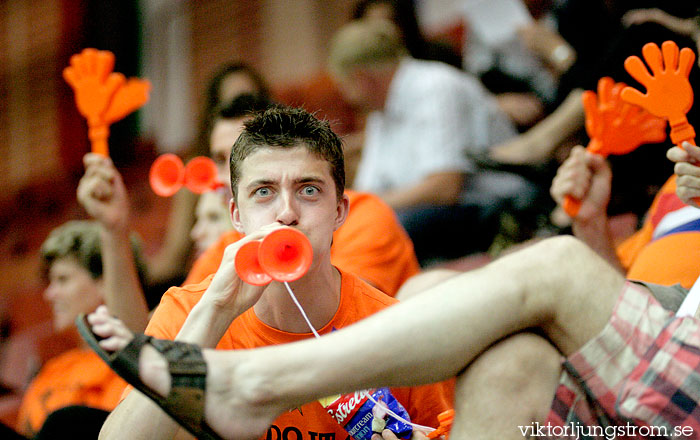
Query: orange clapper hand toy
[615, 127]
[669, 94]
[101, 95]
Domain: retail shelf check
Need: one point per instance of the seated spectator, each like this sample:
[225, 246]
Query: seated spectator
[72, 261]
[212, 220]
[286, 172]
[371, 243]
[403, 15]
[427, 118]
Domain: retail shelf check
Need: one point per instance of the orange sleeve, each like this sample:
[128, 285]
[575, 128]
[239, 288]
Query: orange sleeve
[629, 249]
[672, 259]
[173, 309]
[373, 245]
[76, 377]
[209, 261]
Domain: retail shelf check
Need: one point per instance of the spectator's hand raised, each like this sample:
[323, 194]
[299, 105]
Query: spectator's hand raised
[102, 193]
[687, 169]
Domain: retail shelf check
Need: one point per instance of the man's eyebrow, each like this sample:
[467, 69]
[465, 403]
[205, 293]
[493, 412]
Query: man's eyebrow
[259, 182]
[310, 179]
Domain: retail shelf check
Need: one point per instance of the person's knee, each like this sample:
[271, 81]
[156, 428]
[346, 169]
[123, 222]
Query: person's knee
[558, 249]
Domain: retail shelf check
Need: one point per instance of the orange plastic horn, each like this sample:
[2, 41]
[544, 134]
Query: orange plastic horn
[248, 266]
[669, 94]
[285, 254]
[167, 175]
[201, 175]
[615, 127]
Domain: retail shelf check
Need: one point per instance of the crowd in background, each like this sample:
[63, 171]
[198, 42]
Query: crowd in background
[453, 157]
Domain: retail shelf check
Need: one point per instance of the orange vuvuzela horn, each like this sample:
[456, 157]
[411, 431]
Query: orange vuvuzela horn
[168, 174]
[283, 255]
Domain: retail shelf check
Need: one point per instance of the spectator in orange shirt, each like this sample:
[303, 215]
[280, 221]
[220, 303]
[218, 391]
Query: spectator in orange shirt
[72, 260]
[371, 243]
[287, 171]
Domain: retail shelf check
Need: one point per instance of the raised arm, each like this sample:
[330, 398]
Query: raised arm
[102, 193]
[587, 177]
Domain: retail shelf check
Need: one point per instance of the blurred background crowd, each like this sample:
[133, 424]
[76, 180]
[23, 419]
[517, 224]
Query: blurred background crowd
[530, 58]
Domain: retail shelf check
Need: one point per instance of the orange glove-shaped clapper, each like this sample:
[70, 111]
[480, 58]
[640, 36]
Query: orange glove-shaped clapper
[668, 91]
[101, 95]
[615, 127]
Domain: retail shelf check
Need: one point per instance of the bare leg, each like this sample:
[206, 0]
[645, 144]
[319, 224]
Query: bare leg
[424, 281]
[559, 285]
[509, 385]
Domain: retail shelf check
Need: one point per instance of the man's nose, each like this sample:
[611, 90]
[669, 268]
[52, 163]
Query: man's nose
[288, 214]
[50, 292]
[196, 231]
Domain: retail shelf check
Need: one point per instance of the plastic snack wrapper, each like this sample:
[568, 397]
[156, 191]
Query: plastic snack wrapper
[356, 412]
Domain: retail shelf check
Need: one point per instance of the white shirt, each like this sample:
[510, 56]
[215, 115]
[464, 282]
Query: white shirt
[433, 116]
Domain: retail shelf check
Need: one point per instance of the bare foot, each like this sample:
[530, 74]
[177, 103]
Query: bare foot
[237, 402]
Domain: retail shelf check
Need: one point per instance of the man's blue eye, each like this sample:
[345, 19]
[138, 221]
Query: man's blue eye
[263, 192]
[310, 190]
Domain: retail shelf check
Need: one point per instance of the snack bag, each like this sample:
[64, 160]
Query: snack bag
[357, 413]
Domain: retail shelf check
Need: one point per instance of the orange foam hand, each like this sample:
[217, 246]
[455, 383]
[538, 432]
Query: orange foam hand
[128, 98]
[101, 95]
[669, 94]
[615, 127]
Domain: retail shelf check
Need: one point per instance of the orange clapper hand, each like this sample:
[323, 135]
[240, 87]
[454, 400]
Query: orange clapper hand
[101, 95]
[668, 91]
[615, 127]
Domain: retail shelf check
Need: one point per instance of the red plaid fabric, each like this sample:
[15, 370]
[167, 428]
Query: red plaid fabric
[664, 389]
[640, 371]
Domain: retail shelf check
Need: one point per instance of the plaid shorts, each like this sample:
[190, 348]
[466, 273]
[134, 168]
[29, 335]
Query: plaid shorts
[641, 371]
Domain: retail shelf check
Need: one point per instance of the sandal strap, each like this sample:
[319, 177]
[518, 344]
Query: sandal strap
[188, 373]
[187, 369]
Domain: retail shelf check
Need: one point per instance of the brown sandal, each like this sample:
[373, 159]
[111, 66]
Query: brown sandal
[185, 402]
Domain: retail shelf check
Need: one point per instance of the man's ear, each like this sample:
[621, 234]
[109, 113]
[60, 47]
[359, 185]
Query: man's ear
[235, 215]
[342, 211]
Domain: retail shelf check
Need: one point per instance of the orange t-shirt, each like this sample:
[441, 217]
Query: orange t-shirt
[310, 421]
[667, 247]
[371, 244]
[76, 377]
